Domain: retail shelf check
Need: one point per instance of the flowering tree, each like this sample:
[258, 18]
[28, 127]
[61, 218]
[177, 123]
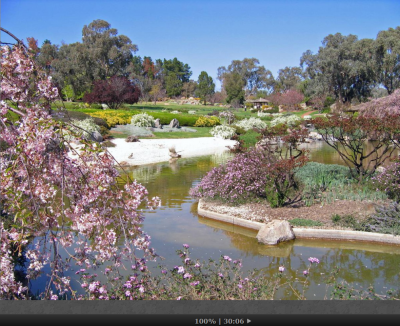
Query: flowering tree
[289, 98]
[381, 106]
[65, 198]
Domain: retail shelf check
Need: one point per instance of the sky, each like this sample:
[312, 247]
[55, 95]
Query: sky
[206, 34]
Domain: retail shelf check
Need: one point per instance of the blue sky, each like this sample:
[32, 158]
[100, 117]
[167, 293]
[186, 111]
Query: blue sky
[206, 34]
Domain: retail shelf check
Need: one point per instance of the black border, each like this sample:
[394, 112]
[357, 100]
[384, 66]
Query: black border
[312, 307]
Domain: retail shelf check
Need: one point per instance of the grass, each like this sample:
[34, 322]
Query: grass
[201, 132]
[305, 222]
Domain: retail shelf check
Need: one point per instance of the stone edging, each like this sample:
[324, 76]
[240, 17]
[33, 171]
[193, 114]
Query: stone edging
[304, 233]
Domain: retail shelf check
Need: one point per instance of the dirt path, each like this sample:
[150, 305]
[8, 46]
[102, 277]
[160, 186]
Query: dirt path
[308, 113]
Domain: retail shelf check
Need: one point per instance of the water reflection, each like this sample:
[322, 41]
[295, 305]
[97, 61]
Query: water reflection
[177, 222]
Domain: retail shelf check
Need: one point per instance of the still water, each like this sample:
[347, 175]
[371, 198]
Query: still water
[176, 222]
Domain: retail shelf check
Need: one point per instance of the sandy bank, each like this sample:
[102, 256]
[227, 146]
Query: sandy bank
[149, 151]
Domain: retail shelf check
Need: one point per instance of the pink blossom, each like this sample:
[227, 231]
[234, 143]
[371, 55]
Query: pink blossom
[281, 269]
[313, 260]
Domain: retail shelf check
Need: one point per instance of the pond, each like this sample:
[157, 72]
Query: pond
[177, 222]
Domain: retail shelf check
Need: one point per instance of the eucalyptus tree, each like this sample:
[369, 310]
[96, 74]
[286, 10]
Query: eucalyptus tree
[387, 55]
[343, 67]
[288, 78]
[254, 76]
[102, 54]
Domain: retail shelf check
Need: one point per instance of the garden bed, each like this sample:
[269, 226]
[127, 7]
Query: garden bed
[262, 212]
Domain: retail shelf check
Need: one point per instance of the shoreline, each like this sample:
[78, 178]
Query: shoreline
[303, 233]
[149, 151]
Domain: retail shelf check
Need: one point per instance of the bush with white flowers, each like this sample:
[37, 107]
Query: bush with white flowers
[192, 112]
[175, 112]
[222, 131]
[251, 123]
[142, 120]
[289, 120]
[83, 128]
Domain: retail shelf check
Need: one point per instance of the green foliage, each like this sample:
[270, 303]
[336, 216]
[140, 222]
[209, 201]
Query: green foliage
[173, 85]
[206, 86]
[329, 101]
[274, 198]
[305, 222]
[324, 183]
[234, 89]
[249, 137]
[349, 221]
[166, 117]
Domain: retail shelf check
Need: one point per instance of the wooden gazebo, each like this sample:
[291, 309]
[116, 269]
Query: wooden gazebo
[259, 102]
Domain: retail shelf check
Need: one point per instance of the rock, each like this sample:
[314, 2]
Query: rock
[380, 169]
[104, 106]
[174, 123]
[157, 124]
[274, 232]
[132, 139]
[96, 136]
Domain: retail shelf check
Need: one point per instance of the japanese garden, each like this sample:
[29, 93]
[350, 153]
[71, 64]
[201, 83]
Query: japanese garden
[126, 178]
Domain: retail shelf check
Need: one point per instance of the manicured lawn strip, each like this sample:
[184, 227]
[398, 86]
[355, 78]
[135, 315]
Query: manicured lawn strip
[201, 132]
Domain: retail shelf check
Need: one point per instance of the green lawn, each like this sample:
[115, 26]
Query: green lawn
[201, 132]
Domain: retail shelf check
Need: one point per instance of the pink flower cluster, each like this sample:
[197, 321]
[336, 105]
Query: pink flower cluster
[73, 198]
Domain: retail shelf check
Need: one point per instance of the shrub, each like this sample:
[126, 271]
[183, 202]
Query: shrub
[113, 117]
[251, 123]
[349, 221]
[386, 219]
[249, 138]
[240, 179]
[268, 109]
[305, 222]
[142, 120]
[84, 127]
[207, 121]
[222, 131]
[389, 181]
[290, 120]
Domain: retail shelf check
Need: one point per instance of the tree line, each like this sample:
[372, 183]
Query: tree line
[345, 69]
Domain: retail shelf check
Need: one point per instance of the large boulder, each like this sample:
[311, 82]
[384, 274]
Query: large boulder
[274, 232]
[157, 124]
[174, 123]
[96, 136]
